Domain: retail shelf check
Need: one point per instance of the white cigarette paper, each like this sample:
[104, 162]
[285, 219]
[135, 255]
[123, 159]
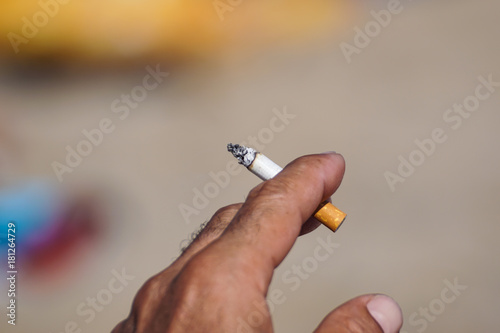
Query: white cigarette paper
[263, 167]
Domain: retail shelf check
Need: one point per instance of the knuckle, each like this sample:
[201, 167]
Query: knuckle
[219, 222]
[147, 302]
[153, 286]
[147, 293]
[126, 326]
[227, 213]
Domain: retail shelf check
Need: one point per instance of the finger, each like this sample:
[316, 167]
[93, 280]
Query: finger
[209, 232]
[265, 228]
[212, 230]
[369, 314]
[149, 298]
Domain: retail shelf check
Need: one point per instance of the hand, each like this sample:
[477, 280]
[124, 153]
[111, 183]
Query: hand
[214, 285]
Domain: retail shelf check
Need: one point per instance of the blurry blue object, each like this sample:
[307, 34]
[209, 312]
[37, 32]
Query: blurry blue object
[35, 207]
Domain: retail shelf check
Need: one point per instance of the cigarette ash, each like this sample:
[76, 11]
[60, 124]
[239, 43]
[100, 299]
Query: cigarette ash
[244, 154]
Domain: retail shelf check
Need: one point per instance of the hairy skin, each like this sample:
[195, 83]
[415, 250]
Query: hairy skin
[224, 274]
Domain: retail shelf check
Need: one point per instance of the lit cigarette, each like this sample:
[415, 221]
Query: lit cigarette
[265, 169]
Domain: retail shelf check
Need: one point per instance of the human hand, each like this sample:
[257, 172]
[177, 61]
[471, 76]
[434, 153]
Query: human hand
[214, 285]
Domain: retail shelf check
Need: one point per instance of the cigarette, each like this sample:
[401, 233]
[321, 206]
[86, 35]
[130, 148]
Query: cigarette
[261, 166]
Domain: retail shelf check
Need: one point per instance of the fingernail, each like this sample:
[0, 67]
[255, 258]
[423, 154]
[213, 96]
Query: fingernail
[329, 152]
[386, 313]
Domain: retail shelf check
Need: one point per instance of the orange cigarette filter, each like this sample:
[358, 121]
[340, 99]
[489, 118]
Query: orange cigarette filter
[330, 216]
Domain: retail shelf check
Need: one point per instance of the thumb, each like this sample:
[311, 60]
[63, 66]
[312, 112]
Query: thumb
[368, 313]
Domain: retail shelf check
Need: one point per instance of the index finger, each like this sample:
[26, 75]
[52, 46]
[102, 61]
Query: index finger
[267, 225]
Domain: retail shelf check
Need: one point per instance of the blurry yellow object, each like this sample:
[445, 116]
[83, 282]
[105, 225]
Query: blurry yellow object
[106, 30]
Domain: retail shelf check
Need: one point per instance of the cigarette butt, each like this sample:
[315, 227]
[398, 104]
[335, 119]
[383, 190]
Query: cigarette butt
[330, 216]
[265, 169]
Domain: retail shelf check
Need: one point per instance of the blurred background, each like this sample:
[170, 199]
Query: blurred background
[114, 120]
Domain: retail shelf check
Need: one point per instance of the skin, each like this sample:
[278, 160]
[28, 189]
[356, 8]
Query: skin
[214, 285]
